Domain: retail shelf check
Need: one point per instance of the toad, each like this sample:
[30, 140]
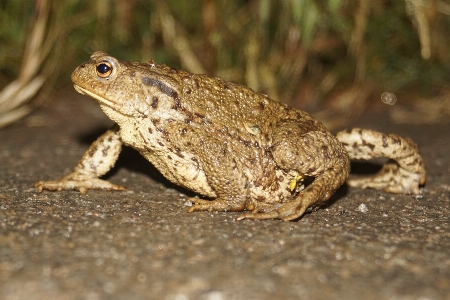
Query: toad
[228, 143]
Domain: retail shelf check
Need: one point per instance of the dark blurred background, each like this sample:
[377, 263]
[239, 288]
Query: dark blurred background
[334, 58]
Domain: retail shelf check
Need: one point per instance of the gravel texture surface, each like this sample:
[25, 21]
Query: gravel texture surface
[142, 244]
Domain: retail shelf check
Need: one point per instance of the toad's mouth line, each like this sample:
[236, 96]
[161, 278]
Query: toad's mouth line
[95, 96]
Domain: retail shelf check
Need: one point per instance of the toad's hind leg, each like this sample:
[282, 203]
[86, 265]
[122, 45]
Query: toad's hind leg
[223, 176]
[317, 154]
[404, 173]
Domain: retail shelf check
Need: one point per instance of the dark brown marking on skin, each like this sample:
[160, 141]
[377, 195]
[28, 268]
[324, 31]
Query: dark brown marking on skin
[162, 87]
[246, 143]
[200, 114]
[371, 146]
[385, 141]
[178, 153]
[162, 130]
[325, 151]
[133, 74]
[396, 141]
[155, 121]
[160, 143]
[275, 187]
[105, 151]
[154, 103]
[177, 104]
[206, 122]
[412, 163]
[195, 83]
[261, 106]
[93, 150]
[150, 130]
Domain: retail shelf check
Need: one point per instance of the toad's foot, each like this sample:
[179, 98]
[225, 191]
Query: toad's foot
[287, 212]
[404, 173]
[314, 194]
[392, 179]
[76, 182]
[220, 204]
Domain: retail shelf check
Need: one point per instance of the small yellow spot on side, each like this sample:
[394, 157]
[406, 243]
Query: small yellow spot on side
[293, 182]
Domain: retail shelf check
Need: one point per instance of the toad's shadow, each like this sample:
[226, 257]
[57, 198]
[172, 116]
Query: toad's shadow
[358, 168]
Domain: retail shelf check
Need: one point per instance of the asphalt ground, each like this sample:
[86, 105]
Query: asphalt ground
[142, 244]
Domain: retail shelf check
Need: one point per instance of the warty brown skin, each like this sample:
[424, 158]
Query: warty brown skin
[226, 142]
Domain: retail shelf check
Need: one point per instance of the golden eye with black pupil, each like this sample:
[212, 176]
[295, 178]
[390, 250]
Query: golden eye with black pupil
[104, 69]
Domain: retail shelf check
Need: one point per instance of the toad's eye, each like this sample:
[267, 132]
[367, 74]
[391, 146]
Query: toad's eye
[104, 69]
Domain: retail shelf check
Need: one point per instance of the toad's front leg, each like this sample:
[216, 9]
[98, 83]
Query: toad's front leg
[96, 161]
[315, 153]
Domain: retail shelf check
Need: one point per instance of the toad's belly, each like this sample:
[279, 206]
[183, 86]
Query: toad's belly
[184, 171]
[262, 186]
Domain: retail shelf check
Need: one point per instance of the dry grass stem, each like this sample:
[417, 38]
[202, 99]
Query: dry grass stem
[356, 45]
[311, 54]
[175, 37]
[15, 97]
[423, 26]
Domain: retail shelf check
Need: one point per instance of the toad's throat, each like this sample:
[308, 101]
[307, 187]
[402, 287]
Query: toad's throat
[100, 99]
